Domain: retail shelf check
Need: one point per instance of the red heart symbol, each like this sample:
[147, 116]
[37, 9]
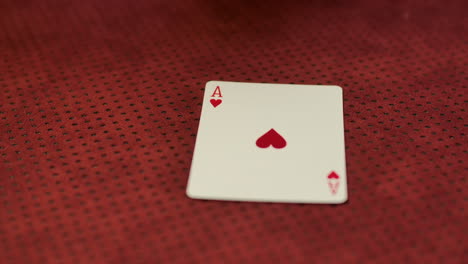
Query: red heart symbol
[216, 102]
[271, 138]
[333, 175]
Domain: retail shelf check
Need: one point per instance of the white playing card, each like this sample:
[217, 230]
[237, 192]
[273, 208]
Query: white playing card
[270, 143]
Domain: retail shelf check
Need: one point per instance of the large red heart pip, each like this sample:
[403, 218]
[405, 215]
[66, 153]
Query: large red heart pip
[271, 138]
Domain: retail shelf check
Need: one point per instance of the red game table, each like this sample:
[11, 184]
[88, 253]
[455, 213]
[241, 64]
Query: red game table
[99, 109]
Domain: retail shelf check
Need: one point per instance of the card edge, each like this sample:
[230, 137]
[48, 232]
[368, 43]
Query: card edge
[264, 83]
[194, 196]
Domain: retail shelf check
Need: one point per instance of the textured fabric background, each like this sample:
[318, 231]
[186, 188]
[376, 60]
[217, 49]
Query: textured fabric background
[99, 108]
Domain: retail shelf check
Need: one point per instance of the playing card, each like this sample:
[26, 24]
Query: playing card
[270, 143]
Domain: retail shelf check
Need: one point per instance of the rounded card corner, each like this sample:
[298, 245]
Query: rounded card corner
[342, 200]
[338, 88]
[209, 82]
[190, 194]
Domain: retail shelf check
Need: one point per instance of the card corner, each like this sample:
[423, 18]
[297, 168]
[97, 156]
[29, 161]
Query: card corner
[342, 200]
[190, 194]
[210, 82]
[337, 88]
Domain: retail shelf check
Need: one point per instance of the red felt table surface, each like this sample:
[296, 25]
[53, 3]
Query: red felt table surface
[99, 109]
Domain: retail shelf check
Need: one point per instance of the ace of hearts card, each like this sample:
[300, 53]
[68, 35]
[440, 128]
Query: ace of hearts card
[270, 143]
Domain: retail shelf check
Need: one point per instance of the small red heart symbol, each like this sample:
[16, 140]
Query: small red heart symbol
[333, 175]
[271, 138]
[216, 102]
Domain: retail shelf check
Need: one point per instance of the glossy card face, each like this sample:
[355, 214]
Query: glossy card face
[270, 143]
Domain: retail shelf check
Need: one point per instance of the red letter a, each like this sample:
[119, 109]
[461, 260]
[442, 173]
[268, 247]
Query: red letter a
[217, 91]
